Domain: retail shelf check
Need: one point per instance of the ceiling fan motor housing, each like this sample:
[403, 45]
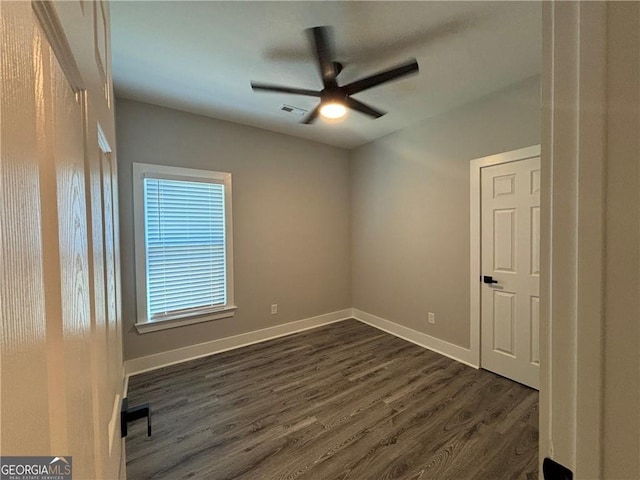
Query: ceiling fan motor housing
[333, 95]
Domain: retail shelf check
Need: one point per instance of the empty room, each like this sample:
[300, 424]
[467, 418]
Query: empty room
[320, 240]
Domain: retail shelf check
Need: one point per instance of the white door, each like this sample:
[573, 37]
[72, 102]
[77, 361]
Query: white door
[510, 298]
[61, 358]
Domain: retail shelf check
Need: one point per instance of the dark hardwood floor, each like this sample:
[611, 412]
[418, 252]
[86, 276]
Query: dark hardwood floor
[344, 401]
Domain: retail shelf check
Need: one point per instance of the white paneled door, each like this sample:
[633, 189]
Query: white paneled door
[510, 298]
[62, 377]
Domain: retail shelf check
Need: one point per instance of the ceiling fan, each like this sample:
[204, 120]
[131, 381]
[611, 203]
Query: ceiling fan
[335, 99]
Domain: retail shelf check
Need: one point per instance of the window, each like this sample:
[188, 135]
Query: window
[183, 242]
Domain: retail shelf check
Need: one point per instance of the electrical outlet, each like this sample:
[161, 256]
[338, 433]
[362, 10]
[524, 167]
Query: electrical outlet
[432, 318]
[274, 309]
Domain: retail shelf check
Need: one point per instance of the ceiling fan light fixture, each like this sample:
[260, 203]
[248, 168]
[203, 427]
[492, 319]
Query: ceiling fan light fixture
[335, 98]
[333, 110]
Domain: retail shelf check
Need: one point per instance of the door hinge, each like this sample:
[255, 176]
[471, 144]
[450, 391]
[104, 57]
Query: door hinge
[554, 471]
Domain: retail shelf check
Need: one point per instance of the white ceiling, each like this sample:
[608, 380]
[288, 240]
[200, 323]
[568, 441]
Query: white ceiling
[201, 56]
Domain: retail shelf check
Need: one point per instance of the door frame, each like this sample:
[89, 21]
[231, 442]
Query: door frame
[475, 218]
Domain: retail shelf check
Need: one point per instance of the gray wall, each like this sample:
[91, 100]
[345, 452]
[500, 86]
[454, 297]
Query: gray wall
[290, 219]
[387, 232]
[410, 210]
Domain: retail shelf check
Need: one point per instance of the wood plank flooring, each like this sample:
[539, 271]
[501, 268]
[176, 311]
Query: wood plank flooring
[344, 401]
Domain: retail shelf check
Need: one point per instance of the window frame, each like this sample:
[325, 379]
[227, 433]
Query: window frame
[145, 170]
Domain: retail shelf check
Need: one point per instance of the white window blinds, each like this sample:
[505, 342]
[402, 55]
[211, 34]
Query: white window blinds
[185, 246]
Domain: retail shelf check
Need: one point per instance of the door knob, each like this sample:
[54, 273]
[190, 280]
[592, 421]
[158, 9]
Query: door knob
[488, 279]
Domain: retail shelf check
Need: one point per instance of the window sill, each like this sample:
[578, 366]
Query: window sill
[147, 327]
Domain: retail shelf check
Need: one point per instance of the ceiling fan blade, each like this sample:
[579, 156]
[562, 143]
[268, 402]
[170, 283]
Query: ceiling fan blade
[311, 116]
[354, 104]
[381, 77]
[321, 39]
[278, 88]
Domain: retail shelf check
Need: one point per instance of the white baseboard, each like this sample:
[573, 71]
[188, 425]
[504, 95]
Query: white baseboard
[455, 352]
[171, 357]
